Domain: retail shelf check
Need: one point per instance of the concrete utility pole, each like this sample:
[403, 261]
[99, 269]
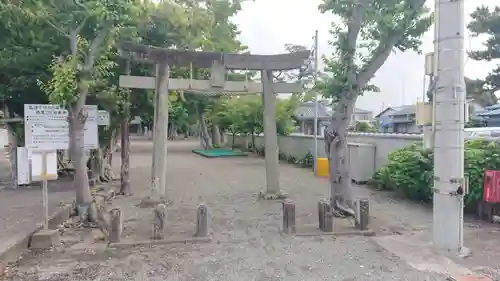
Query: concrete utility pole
[449, 182]
[316, 60]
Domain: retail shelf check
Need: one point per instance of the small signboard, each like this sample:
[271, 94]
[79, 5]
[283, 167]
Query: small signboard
[47, 129]
[424, 113]
[37, 166]
[103, 118]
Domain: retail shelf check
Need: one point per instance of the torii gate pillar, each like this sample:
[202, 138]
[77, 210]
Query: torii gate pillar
[270, 138]
[160, 133]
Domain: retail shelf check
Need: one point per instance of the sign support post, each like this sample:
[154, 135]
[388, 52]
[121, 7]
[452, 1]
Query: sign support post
[45, 191]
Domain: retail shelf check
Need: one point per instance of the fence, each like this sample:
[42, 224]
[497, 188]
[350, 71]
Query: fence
[298, 145]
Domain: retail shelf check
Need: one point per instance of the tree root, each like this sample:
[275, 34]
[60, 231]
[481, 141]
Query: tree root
[342, 210]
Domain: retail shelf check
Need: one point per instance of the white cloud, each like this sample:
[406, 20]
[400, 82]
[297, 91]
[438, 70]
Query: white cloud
[267, 25]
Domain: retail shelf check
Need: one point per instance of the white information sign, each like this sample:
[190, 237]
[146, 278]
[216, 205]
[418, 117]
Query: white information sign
[103, 116]
[50, 166]
[46, 127]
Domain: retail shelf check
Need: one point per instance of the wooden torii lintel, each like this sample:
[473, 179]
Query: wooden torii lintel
[203, 86]
[151, 54]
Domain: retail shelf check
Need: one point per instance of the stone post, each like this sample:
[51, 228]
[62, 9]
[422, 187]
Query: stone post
[362, 214]
[159, 221]
[288, 217]
[270, 134]
[328, 222]
[201, 221]
[323, 208]
[116, 228]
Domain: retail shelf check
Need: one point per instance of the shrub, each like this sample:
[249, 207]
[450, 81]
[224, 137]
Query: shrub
[306, 161]
[410, 170]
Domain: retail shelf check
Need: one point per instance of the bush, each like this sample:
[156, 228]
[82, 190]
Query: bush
[410, 170]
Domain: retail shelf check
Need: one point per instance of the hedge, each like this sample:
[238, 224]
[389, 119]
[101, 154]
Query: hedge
[410, 170]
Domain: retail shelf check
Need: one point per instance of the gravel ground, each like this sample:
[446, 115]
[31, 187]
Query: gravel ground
[21, 209]
[247, 244]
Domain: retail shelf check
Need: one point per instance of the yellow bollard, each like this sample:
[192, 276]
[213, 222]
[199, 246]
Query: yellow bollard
[322, 167]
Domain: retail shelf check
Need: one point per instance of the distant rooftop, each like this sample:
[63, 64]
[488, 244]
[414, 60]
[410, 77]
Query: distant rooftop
[306, 110]
[404, 110]
[397, 110]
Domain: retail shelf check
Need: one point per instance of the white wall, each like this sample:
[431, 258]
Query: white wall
[298, 145]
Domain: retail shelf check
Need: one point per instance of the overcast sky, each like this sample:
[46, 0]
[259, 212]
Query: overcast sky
[267, 25]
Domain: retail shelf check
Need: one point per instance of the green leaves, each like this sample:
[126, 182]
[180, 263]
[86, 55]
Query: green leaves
[365, 36]
[410, 170]
[244, 115]
[486, 23]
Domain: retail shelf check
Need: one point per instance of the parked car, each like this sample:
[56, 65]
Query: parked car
[483, 132]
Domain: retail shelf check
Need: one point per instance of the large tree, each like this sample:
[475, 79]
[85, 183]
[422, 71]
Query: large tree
[90, 28]
[366, 33]
[486, 22]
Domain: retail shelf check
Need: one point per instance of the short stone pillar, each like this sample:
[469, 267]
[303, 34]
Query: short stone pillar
[159, 221]
[201, 221]
[325, 216]
[328, 222]
[362, 214]
[288, 216]
[116, 225]
[45, 239]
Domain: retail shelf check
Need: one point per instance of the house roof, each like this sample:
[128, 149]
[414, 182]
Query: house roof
[489, 113]
[306, 111]
[492, 107]
[383, 112]
[404, 110]
[360, 110]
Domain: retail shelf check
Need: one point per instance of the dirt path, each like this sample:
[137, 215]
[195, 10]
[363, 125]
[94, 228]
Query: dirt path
[247, 244]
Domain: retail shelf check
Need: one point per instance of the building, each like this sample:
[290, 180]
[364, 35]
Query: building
[361, 115]
[398, 119]
[305, 117]
[489, 116]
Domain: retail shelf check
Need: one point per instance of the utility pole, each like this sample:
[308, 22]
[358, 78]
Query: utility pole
[315, 138]
[449, 181]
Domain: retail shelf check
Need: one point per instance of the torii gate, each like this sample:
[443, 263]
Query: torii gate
[218, 63]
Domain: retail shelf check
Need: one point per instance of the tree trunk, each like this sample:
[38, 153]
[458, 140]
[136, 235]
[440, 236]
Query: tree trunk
[172, 131]
[234, 135]
[341, 197]
[253, 141]
[77, 118]
[204, 130]
[13, 143]
[125, 155]
[96, 164]
[216, 140]
[222, 137]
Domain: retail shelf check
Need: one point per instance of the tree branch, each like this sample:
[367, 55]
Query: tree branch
[94, 48]
[58, 29]
[384, 49]
[349, 50]
[73, 38]
[181, 95]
